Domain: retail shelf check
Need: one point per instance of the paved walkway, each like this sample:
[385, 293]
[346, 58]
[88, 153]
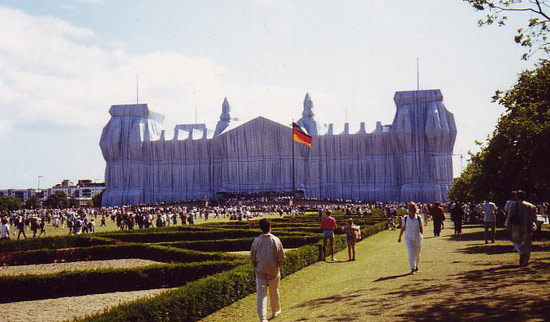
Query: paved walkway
[460, 278]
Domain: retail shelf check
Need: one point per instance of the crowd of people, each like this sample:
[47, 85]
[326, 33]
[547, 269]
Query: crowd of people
[32, 223]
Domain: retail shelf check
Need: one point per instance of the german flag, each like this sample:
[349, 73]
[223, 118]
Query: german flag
[300, 136]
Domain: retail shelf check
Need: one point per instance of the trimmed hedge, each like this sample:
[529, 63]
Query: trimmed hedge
[55, 242]
[195, 300]
[72, 283]
[105, 252]
[155, 237]
[200, 298]
[240, 244]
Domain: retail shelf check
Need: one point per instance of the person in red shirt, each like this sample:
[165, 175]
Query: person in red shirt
[328, 225]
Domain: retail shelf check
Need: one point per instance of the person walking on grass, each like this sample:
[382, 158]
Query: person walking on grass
[489, 210]
[411, 225]
[352, 234]
[520, 223]
[438, 216]
[42, 227]
[457, 215]
[328, 225]
[267, 254]
[20, 224]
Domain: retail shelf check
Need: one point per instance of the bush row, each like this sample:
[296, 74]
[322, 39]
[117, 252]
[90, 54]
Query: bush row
[105, 252]
[146, 236]
[52, 242]
[200, 298]
[72, 283]
[240, 244]
[308, 223]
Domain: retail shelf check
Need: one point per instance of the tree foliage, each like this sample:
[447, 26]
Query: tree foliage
[516, 155]
[98, 199]
[57, 200]
[8, 203]
[33, 203]
[534, 36]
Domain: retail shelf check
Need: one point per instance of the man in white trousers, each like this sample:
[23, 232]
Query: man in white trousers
[411, 224]
[267, 255]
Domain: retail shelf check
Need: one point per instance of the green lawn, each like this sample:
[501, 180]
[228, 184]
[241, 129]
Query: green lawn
[459, 279]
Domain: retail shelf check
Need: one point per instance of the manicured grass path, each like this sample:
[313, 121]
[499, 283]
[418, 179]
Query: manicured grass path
[460, 279]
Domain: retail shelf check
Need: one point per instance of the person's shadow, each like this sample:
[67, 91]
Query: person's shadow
[381, 279]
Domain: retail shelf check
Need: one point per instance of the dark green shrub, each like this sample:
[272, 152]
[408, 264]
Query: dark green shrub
[200, 298]
[52, 242]
[71, 283]
[105, 252]
[161, 236]
[240, 244]
[195, 300]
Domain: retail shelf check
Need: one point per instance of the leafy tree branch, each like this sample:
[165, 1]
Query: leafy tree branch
[534, 36]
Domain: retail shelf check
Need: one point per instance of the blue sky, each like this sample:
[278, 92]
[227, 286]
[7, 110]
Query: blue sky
[63, 63]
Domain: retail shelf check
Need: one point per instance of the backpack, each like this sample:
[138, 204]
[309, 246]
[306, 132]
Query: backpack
[357, 234]
[514, 215]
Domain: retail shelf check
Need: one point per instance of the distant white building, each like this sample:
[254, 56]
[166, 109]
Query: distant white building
[84, 190]
[21, 194]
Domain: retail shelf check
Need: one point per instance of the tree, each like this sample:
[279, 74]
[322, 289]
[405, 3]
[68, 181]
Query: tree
[534, 36]
[57, 200]
[73, 203]
[33, 203]
[98, 199]
[8, 203]
[516, 155]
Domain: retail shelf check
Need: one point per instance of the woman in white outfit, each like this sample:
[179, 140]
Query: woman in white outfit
[411, 224]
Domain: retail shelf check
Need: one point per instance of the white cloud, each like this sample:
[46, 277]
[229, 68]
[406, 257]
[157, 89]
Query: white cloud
[5, 128]
[50, 74]
[90, 1]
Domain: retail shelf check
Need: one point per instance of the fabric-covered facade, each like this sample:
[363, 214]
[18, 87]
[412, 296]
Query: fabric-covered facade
[411, 159]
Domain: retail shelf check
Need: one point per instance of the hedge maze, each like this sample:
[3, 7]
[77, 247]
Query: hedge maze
[193, 259]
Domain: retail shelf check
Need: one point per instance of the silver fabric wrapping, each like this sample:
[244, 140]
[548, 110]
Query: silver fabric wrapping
[411, 159]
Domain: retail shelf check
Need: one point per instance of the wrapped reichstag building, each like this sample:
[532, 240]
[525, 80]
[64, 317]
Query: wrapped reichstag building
[410, 159]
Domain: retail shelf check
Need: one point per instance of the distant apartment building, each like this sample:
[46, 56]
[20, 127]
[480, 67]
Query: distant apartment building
[83, 190]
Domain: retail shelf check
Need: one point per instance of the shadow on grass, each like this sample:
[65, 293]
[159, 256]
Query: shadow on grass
[391, 277]
[499, 249]
[497, 293]
[499, 308]
[501, 234]
[337, 262]
[506, 292]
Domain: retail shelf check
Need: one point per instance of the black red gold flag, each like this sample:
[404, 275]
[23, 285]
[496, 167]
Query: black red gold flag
[300, 136]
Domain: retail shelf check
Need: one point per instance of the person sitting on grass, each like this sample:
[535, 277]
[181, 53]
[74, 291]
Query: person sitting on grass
[267, 254]
[328, 225]
[351, 232]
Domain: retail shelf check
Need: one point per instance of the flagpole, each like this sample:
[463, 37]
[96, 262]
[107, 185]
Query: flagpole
[293, 173]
